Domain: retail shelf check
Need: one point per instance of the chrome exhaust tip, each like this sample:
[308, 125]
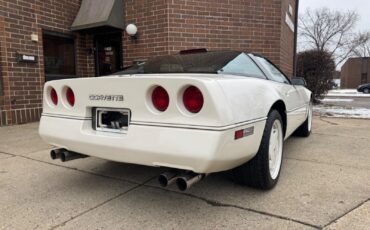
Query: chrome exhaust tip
[188, 180]
[69, 156]
[167, 178]
[56, 154]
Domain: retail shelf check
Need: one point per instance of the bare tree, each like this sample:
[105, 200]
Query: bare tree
[331, 31]
[363, 50]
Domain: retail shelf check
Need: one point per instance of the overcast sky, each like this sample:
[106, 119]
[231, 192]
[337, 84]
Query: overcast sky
[361, 6]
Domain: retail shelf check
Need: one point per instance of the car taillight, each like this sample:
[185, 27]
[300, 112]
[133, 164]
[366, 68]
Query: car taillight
[193, 99]
[70, 97]
[54, 96]
[160, 98]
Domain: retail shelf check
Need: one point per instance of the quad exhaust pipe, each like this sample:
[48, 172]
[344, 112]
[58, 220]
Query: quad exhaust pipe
[183, 180]
[168, 178]
[65, 155]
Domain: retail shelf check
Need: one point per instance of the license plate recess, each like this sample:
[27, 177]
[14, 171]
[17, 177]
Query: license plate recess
[111, 120]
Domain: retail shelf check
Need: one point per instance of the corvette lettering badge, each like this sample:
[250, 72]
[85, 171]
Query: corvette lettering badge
[117, 98]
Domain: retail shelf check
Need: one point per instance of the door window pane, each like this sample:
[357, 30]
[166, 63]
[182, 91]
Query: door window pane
[59, 57]
[273, 73]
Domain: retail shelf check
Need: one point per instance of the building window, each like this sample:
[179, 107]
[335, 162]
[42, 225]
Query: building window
[59, 57]
[364, 78]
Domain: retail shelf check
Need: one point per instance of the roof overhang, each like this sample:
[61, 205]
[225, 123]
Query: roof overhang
[95, 14]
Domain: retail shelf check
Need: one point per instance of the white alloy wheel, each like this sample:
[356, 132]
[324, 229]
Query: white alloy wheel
[275, 149]
[366, 90]
[263, 171]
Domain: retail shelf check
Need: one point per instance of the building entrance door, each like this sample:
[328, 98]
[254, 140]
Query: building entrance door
[108, 53]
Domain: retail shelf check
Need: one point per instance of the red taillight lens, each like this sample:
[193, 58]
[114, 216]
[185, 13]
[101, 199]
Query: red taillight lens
[54, 96]
[193, 99]
[160, 98]
[70, 97]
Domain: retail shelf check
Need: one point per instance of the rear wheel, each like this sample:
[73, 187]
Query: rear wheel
[263, 170]
[366, 90]
[305, 129]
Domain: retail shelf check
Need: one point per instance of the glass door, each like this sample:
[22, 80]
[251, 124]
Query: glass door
[108, 54]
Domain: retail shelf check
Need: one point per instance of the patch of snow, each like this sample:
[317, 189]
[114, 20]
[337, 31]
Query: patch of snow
[336, 111]
[346, 93]
[343, 91]
[336, 100]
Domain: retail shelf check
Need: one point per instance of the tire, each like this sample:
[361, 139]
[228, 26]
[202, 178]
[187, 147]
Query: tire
[257, 172]
[305, 129]
[366, 90]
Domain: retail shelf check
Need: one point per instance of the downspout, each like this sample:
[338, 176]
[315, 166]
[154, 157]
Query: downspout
[295, 40]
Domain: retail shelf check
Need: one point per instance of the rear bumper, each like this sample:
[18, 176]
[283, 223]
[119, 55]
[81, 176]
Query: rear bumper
[198, 150]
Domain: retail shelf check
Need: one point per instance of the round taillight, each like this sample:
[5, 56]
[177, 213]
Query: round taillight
[54, 96]
[160, 99]
[193, 99]
[70, 97]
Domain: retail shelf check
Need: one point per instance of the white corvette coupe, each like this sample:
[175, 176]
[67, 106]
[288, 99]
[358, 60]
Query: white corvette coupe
[194, 113]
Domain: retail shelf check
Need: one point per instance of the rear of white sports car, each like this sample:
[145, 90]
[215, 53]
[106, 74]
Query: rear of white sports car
[193, 124]
[178, 122]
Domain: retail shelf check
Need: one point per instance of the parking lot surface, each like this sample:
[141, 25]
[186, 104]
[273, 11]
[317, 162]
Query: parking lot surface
[325, 183]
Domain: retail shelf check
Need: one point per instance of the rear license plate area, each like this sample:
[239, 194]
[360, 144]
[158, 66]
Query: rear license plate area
[111, 120]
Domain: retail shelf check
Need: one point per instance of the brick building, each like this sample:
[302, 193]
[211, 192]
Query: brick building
[56, 39]
[355, 71]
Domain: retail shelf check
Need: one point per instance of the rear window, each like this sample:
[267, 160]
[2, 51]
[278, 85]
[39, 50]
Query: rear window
[226, 62]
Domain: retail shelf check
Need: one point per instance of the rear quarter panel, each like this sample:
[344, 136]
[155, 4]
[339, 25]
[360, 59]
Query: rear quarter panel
[249, 98]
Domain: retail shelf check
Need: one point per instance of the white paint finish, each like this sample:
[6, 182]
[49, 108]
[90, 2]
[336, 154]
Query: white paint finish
[201, 151]
[257, 96]
[136, 91]
[202, 142]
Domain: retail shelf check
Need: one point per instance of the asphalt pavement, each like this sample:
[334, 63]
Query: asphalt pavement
[325, 183]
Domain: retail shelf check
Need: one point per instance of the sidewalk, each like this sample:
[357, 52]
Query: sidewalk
[325, 183]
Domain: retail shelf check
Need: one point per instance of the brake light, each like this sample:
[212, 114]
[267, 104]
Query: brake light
[70, 97]
[160, 99]
[54, 96]
[193, 99]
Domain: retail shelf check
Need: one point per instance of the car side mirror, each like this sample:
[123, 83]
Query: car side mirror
[299, 81]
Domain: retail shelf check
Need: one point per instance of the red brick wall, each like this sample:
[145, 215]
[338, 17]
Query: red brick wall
[254, 25]
[23, 82]
[287, 39]
[170, 26]
[239, 25]
[151, 18]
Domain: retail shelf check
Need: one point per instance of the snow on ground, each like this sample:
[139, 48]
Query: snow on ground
[348, 110]
[346, 93]
[336, 111]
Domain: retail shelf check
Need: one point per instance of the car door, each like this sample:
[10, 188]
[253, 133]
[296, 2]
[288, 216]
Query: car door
[291, 95]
